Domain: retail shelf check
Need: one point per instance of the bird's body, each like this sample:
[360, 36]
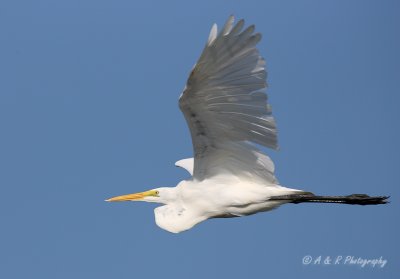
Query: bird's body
[191, 202]
[226, 109]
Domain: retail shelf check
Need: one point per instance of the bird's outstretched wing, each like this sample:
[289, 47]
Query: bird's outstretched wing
[226, 108]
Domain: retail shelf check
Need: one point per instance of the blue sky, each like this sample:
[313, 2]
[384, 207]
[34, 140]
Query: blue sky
[88, 110]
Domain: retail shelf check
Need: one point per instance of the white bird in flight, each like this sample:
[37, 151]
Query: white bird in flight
[226, 109]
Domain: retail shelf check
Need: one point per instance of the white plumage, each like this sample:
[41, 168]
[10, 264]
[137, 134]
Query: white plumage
[225, 106]
[226, 109]
[186, 164]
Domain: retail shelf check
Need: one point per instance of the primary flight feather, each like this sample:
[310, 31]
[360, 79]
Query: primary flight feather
[226, 109]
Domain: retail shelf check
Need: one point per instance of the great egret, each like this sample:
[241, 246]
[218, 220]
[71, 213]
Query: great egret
[227, 113]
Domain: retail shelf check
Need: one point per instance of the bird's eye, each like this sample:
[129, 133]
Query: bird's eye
[157, 192]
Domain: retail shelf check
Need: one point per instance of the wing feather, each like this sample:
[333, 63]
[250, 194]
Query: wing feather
[226, 108]
[186, 164]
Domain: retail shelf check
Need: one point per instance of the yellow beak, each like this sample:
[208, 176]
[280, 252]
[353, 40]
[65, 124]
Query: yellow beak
[135, 196]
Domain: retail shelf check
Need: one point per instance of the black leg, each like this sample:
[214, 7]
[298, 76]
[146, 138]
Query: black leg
[360, 199]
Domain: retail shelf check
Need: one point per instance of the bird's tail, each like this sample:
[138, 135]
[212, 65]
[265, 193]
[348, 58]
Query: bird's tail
[360, 199]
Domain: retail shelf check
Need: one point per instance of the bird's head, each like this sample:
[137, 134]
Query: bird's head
[158, 195]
